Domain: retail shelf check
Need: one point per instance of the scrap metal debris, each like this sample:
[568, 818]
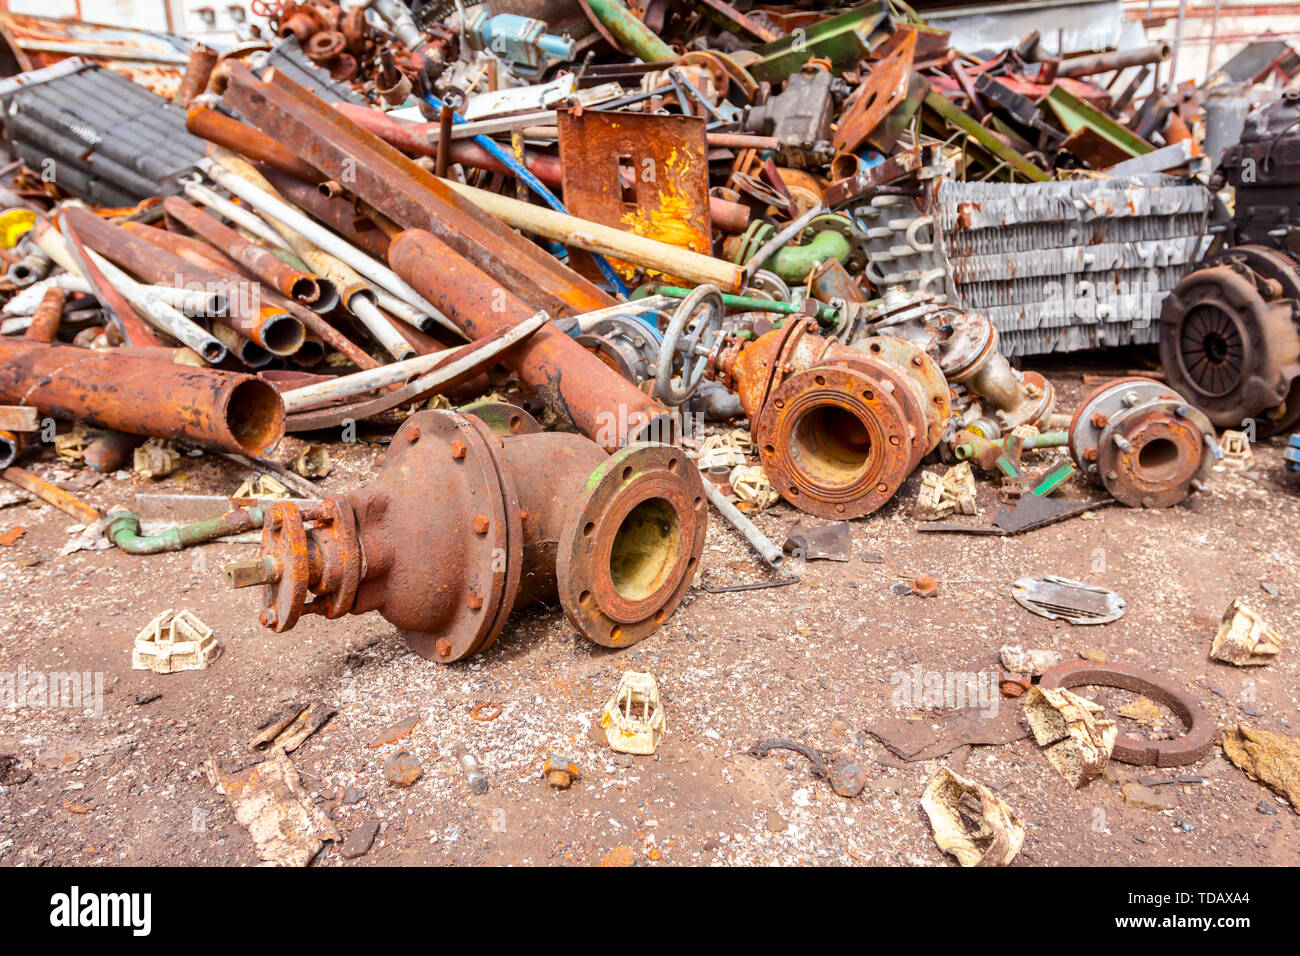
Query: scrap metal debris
[845, 774]
[970, 821]
[1061, 599]
[1244, 638]
[268, 798]
[1071, 732]
[634, 720]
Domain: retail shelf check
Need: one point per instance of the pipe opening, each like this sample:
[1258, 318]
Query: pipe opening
[305, 290]
[1159, 459]
[645, 549]
[255, 415]
[282, 334]
[831, 444]
[327, 296]
[213, 352]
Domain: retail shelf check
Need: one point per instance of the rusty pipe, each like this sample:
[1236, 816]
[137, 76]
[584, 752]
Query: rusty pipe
[248, 141]
[424, 139]
[198, 71]
[1096, 63]
[257, 260]
[48, 315]
[406, 193]
[838, 429]
[271, 328]
[225, 410]
[531, 516]
[336, 212]
[577, 386]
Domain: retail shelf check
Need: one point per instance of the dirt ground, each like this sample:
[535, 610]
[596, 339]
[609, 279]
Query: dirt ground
[818, 661]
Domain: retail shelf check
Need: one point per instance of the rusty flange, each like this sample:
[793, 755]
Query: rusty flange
[284, 542]
[1143, 442]
[834, 442]
[926, 371]
[633, 544]
[1196, 740]
[338, 552]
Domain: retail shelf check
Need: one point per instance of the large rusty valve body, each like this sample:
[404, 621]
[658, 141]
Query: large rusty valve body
[1143, 442]
[463, 525]
[838, 429]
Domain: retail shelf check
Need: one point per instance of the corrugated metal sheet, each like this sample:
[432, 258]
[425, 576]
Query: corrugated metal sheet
[1070, 265]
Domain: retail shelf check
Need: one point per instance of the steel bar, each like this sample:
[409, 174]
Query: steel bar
[761, 544]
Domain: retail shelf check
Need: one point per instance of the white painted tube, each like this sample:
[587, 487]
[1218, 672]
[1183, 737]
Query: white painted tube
[312, 231]
[236, 214]
[347, 386]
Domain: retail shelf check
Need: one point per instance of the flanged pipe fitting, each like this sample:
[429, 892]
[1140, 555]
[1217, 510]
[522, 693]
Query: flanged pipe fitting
[1230, 339]
[1143, 442]
[464, 525]
[838, 429]
[965, 344]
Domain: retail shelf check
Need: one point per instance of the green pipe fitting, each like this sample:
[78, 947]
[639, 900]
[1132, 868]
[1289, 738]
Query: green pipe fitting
[826, 314]
[825, 237]
[123, 529]
[631, 34]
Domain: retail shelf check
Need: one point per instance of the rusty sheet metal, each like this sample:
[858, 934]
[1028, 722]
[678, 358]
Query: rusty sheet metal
[880, 93]
[154, 60]
[408, 194]
[646, 174]
[225, 410]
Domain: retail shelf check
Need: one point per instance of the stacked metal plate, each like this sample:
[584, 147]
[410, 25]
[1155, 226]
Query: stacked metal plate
[1072, 265]
[96, 134]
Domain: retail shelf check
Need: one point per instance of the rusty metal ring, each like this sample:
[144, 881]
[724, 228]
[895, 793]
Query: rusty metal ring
[492, 707]
[285, 539]
[1196, 740]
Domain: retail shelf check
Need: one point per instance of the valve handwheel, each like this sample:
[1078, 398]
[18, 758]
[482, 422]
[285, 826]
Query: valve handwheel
[694, 331]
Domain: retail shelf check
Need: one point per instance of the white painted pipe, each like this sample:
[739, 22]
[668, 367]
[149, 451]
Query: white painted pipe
[159, 313]
[605, 240]
[358, 383]
[309, 229]
[236, 214]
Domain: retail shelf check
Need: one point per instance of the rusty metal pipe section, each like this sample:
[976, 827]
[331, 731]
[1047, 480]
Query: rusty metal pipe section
[838, 428]
[1143, 442]
[271, 328]
[248, 141]
[406, 193]
[1096, 63]
[581, 389]
[48, 315]
[225, 410]
[301, 286]
[464, 524]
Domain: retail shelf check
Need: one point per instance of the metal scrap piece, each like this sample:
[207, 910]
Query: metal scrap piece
[1196, 740]
[1071, 732]
[989, 834]
[269, 800]
[845, 775]
[832, 542]
[1061, 599]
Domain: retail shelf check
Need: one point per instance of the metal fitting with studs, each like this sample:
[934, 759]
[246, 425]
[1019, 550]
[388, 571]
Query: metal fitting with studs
[1143, 442]
[464, 524]
[838, 429]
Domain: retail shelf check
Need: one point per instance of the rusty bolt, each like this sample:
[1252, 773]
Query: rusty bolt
[481, 524]
[559, 771]
[1013, 685]
[1090, 453]
[444, 647]
[1098, 420]
[474, 601]
[413, 434]
[457, 449]
[925, 586]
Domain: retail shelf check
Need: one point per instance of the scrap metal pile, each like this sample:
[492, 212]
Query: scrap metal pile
[836, 227]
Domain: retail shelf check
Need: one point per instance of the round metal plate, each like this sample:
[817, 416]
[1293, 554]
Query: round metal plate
[285, 539]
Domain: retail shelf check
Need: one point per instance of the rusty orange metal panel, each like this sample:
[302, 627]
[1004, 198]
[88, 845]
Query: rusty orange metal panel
[645, 174]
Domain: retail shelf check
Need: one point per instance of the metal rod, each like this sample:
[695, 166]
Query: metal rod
[766, 550]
